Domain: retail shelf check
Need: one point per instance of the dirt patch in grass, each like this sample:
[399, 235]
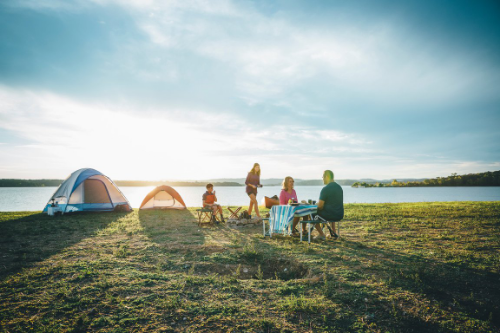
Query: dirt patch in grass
[274, 269]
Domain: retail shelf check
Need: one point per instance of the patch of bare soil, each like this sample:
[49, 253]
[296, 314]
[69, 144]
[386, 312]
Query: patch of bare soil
[281, 269]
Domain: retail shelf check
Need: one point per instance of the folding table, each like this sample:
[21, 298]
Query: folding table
[280, 217]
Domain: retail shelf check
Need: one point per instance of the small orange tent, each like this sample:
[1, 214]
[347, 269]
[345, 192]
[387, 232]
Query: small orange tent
[163, 197]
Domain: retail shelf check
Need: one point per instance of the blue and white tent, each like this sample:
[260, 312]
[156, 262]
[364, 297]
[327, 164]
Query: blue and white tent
[87, 190]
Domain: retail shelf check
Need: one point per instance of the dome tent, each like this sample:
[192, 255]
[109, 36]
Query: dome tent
[88, 190]
[163, 197]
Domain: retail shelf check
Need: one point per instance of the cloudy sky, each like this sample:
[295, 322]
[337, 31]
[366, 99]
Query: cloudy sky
[146, 89]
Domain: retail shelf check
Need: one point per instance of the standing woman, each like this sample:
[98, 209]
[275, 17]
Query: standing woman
[252, 182]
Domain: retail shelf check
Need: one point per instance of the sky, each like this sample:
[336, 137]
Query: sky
[189, 90]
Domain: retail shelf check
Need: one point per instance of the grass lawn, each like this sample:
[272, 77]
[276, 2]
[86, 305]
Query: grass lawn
[416, 267]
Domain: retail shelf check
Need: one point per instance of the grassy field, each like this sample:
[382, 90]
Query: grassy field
[419, 267]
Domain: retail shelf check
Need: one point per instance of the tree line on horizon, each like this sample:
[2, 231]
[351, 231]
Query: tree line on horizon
[490, 178]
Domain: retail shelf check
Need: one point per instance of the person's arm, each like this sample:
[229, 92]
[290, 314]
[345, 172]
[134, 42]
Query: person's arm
[321, 204]
[215, 197]
[247, 181]
[321, 201]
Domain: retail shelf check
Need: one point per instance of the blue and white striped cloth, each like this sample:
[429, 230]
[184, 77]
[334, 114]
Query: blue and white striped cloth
[303, 210]
[280, 217]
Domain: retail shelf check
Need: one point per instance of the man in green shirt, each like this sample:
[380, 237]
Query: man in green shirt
[331, 201]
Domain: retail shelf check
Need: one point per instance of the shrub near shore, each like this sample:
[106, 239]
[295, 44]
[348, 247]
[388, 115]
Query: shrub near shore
[397, 267]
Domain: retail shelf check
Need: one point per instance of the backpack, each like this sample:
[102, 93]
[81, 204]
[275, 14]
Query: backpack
[244, 215]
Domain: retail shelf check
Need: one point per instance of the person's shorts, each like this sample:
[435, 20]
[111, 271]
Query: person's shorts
[255, 193]
[212, 206]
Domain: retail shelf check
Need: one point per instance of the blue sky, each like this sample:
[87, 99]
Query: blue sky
[203, 89]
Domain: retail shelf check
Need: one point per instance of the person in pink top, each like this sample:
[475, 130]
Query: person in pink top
[287, 193]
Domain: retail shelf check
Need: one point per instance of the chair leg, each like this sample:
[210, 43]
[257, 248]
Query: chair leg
[337, 229]
[204, 216]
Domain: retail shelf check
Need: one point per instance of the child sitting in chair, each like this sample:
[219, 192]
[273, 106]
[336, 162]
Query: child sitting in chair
[209, 200]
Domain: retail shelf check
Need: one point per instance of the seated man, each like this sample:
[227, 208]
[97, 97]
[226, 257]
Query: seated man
[331, 202]
[209, 200]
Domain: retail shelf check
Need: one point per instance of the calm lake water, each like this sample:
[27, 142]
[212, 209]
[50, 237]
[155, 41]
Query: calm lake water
[35, 198]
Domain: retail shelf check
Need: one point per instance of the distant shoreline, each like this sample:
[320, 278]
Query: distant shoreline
[479, 179]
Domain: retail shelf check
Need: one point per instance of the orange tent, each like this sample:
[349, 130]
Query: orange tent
[163, 197]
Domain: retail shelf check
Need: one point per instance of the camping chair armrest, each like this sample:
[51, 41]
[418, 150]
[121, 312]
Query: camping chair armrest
[311, 221]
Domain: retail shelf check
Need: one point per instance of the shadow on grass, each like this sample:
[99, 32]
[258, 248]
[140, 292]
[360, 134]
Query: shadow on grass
[450, 287]
[29, 237]
[170, 228]
[420, 290]
[366, 286]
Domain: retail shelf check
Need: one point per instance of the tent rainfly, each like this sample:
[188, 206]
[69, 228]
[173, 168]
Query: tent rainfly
[87, 190]
[163, 197]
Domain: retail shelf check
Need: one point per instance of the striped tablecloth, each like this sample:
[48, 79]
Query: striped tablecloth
[303, 210]
[280, 217]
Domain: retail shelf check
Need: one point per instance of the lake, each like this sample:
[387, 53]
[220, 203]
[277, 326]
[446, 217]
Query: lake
[35, 198]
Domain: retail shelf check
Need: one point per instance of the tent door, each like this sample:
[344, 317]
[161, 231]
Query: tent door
[95, 191]
[163, 199]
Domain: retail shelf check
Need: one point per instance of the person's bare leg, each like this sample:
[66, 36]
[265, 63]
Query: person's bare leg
[254, 202]
[250, 207]
[319, 230]
[295, 222]
[219, 209]
[333, 227]
[304, 225]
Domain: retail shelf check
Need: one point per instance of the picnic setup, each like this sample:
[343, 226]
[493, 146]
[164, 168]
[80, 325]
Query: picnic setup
[87, 190]
[281, 216]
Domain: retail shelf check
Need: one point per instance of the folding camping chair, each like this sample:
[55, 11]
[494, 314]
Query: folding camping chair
[234, 213]
[204, 215]
[327, 223]
[322, 222]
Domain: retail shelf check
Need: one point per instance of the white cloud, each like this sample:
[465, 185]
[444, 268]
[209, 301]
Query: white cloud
[61, 135]
[271, 56]
[184, 144]
[272, 63]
